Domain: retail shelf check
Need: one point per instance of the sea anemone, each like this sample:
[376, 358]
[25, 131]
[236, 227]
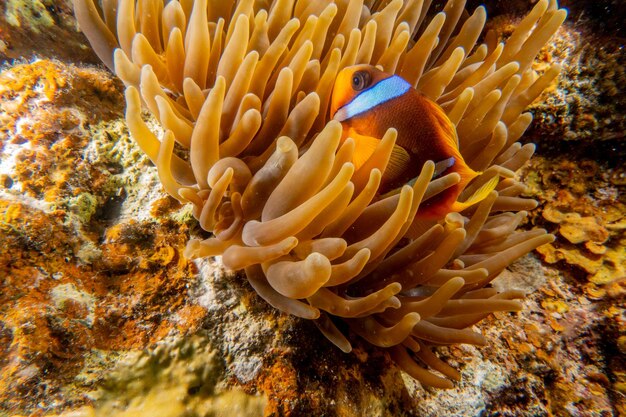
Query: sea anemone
[242, 91]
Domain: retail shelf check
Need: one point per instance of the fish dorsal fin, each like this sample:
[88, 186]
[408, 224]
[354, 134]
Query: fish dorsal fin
[447, 127]
[479, 195]
[364, 147]
[398, 163]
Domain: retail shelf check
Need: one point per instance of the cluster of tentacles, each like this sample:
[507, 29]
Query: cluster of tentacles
[242, 90]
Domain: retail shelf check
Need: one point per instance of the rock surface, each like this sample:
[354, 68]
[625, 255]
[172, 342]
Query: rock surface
[41, 28]
[588, 105]
[101, 315]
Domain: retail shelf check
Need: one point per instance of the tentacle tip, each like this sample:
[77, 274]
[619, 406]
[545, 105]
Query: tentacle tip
[457, 281]
[447, 384]
[480, 340]
[118, 52]
[146, 69]
[393, 132]
[191, 248]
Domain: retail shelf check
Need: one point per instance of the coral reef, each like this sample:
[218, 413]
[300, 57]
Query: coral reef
[584, 204]
[94, 292]
[55, 202]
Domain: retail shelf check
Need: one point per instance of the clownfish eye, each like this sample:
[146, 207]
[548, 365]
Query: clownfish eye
[360, 80]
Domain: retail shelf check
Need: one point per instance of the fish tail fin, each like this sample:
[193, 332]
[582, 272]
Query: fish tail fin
[479, 195]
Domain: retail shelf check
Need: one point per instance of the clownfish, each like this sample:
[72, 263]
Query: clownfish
[368, 101]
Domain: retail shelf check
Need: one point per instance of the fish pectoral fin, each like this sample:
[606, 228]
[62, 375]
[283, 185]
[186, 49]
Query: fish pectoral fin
[478, 196]
[364, 147]
[398, 162]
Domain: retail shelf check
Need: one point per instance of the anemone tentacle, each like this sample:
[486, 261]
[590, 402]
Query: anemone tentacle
[242, 90]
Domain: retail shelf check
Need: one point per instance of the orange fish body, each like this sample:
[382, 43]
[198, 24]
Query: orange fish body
[368, 101]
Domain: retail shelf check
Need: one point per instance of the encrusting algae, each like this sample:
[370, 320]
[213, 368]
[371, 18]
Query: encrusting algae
[243, 90]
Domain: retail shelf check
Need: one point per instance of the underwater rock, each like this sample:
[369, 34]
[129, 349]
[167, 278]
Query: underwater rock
[584, 203]
[101, 314]
[180, 376]
[586, 103]
[32, 29]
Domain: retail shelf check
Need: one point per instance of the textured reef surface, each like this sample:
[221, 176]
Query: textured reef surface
[102, 315]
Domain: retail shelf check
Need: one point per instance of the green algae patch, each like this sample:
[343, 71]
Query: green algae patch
[180, 377]
[30, 13]
[84, 206]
